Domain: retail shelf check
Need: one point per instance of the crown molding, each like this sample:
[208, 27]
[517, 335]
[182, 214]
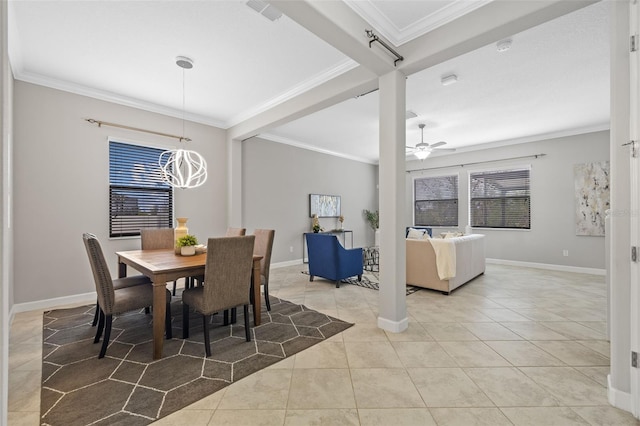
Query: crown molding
[106, 96]
[398, 36]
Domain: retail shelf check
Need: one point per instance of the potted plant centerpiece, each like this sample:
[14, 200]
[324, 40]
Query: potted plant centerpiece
[187, 245]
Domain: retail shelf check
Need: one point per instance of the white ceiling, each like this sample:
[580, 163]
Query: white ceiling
[554, 80]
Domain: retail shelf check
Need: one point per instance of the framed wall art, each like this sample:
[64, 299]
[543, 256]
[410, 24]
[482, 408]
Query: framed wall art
[324, 205]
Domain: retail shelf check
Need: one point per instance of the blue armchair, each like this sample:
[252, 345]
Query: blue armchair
[328, 259]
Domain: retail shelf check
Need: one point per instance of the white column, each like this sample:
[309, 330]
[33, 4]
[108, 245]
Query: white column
[392, 304]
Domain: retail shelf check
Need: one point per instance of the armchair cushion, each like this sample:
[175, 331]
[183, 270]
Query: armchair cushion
[328, 259]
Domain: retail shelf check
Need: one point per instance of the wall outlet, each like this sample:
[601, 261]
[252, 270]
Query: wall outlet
[290, 249]
[565, 252]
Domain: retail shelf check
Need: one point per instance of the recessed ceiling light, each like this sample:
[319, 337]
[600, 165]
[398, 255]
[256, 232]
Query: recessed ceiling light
[449, 79]
[503, 45]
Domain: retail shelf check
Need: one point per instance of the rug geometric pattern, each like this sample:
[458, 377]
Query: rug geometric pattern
[127, 387]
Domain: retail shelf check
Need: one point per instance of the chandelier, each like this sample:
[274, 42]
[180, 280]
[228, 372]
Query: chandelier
[183, 168]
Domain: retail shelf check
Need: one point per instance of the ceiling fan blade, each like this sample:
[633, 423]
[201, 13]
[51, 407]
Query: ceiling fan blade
[445, 149]
[433, 145]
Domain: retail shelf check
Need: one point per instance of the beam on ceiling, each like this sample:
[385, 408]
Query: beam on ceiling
[488, 24]
[485, 25]
[341, 27]
[347, 85]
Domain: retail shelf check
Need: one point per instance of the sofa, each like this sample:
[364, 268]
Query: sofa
[459, 260]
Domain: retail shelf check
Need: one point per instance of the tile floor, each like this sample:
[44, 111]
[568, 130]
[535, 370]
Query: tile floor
[515, 346]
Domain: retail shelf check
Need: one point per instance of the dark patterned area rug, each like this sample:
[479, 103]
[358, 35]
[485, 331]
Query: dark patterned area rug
[127, 387]
[370, 280]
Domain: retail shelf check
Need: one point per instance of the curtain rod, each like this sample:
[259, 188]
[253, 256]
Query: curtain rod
[122, 126]
[478, 162]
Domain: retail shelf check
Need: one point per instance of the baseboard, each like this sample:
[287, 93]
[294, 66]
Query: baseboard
[54, 303]
[548, 266]
[393, 326]
[287, 263]
[618, 398]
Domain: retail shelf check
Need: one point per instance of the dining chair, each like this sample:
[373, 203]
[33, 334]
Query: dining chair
[112, 301]
[158, 238]
[263, 247]
[235, 232]
[227, 282]
[119, 283]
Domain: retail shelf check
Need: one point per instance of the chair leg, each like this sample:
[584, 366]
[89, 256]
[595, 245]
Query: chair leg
[207, 343]
[337, 283]
[185, 321]
[360, 277]
[167, 322]
[225, 317]
[96, 315]
[266, 295]
[100, 327]
[310, 277]
[247, 330]
[107, 335]
[147, 310]
[234, 315]
[175, 283]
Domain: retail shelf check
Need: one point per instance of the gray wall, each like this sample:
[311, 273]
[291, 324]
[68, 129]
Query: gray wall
[62, 184]
[277, 180]
[552, 199]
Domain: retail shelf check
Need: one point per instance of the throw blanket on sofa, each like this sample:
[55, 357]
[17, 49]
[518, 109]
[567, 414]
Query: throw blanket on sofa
[445, 251]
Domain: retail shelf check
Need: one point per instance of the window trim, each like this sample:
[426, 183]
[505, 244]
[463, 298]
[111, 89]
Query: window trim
[497, 168]
[434, 176]
[142, 144]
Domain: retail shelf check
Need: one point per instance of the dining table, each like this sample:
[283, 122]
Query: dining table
[164, 265]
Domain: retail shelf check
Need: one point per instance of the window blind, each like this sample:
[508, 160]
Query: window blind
[500, 199]
[436, 201]
[138, 197]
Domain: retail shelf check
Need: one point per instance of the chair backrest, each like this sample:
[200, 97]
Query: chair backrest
[227, 274]
[154, 239]
[322, 248]
[101, 274]
[263, 247]
[235, 232]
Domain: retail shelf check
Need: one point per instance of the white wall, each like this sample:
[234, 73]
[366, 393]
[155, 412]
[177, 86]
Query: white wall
[552, 199]
[62, 184]
[277, 180]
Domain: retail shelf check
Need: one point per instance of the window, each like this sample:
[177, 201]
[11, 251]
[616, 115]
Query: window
[138, 197]
[500, 199]
[436, 201]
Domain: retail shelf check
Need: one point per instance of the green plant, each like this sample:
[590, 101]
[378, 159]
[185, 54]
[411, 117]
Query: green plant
[187, 240]
[373, 217]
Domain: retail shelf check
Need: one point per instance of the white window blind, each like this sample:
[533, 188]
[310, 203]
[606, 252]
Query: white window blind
[138, 197]
[436, 201]
[500, 199]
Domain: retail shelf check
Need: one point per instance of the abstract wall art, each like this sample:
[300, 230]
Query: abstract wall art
[592, 197]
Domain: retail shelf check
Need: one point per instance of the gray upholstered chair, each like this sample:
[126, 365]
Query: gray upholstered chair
[227, 282]
[235, 232]
[118, 301]
[159, 238]
[119, 283]
[263, 247]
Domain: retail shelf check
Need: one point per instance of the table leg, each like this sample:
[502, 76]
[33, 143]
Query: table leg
[122, 270]
[159, 312]
[257, 300]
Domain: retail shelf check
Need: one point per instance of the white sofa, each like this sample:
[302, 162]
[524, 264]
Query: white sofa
[467, 263]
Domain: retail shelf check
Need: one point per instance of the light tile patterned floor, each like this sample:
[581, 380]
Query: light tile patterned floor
[516, 346]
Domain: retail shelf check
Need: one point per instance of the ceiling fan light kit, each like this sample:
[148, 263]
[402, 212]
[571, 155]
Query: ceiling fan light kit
[422, 150]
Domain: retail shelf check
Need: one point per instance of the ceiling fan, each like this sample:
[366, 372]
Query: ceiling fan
[423, 149]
